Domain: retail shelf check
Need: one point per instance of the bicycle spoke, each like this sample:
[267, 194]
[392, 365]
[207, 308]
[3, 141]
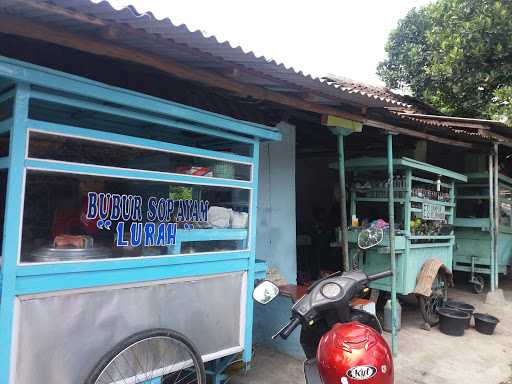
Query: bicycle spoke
[155, 356]
[143, 370]
[190, 382]
[119, 371]
[111, 379]
[191, 373]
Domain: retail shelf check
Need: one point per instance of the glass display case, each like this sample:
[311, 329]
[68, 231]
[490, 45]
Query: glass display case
[120, 213]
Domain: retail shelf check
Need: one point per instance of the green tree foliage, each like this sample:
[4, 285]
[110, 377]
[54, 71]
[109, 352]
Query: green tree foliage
[501, 106]
[456, 55]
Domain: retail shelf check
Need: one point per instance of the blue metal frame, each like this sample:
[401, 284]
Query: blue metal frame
[149, 118]
[87, 169]
[21, 279]
[66, 130]
[12, 222]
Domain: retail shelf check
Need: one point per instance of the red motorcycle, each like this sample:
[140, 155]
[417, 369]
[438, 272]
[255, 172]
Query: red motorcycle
[343, 345]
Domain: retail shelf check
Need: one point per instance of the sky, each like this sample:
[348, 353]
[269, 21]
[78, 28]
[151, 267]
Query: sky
[319, 37]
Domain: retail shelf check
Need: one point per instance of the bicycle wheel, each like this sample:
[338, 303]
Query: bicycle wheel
[152, 356]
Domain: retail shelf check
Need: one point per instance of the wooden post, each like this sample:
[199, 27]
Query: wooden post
[391, 206]
[343, 203]
[341, 128]
[492, 221]
[496, 216]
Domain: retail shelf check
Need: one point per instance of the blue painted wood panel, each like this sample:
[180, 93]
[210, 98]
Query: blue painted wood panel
[12, 222]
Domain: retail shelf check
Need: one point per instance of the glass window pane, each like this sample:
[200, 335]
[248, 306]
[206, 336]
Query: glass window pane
[6, 109]
[77, 150]
[86, 118]
[80, 217]
[5, 113]
[4, 144]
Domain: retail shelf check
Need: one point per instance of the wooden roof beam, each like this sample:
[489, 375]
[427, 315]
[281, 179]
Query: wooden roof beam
[421, 135]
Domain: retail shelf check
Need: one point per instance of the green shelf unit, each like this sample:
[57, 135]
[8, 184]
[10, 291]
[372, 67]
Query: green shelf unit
[379, 200]
[412, 251]
[473, 234]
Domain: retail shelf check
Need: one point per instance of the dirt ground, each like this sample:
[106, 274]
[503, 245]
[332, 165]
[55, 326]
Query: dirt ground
[424, 356]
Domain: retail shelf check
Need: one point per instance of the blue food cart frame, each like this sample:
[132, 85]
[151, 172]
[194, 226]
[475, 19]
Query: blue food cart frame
[23, 82]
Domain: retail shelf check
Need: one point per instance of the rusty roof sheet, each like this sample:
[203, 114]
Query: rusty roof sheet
[454, 126]
[371, 91]
[195, 50]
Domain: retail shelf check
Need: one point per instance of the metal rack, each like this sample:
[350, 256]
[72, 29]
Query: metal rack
[413, 248]
[474, 227]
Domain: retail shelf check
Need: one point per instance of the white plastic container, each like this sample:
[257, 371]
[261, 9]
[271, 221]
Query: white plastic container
[219, 217]
[239, 220]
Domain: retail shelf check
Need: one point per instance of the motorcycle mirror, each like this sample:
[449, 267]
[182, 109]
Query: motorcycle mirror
[370, 237]
[265, 292]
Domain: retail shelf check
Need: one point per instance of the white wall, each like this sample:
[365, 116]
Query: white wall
[276, 239]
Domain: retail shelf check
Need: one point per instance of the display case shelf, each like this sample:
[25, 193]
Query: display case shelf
[208, 234]
[428, 181]
[431, 237]
[379, 200]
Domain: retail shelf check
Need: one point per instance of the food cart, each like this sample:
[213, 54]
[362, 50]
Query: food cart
[424, 197]
[473, 228]
[123, 213]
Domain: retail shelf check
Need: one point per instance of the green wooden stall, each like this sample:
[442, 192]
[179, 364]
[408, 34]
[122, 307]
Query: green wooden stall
[474, 228]
[424, 201]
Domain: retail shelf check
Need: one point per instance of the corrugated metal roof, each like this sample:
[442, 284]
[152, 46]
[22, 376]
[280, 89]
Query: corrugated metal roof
[454, 120]
[451, 126]
[357, 87]
[192, 48]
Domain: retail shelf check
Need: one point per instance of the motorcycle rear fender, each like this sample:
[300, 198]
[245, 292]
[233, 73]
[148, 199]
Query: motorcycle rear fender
[311, 372]
[427, 275]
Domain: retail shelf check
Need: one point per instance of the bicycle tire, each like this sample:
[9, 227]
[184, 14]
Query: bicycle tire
[139, 337]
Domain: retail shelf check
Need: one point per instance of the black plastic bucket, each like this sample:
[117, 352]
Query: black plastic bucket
[452, 321]
[485, 323]
[468, 308]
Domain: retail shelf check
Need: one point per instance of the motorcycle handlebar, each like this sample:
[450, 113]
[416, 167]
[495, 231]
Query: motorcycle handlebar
[288, 328]
[380, 275]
